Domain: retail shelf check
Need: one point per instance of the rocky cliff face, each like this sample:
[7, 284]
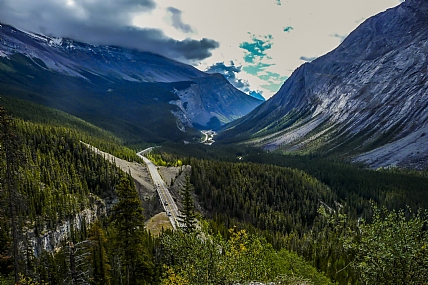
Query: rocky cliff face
[211, 102]
[367, 99]
[50, 240]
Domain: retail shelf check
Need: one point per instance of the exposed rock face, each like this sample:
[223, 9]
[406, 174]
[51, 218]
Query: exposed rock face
[367, 99]
[211, 101]
[51, 240]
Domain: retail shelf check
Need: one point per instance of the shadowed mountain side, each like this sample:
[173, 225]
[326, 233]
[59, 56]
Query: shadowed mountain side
[136, 95]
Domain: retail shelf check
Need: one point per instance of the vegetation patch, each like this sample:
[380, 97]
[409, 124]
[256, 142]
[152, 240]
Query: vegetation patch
[158, 224]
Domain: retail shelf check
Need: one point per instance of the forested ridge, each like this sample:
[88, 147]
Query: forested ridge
[265, 217]
[57, 176]
[313, 215]
[266, 196]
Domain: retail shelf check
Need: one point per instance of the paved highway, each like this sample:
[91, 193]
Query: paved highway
[166, 199]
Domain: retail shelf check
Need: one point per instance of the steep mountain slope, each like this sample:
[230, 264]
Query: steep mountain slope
[366, 99]
[134, 94]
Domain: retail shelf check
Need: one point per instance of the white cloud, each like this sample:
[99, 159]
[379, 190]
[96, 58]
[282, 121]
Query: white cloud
[317, 27]
[190, 30]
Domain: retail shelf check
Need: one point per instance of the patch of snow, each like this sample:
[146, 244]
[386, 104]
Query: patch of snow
[2, 54]
[34, 36]
[71, 46]
[55, 42]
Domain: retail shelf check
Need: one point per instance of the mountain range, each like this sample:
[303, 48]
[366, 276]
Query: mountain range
[137, 95]
[367, 100]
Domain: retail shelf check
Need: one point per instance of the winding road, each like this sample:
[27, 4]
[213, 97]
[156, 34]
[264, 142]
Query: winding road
[166, 199]
[134, 168]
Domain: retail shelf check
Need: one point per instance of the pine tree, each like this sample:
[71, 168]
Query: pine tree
[188, 219]
[128, 223]
[99, 258]
[5, 242]
[10, 152]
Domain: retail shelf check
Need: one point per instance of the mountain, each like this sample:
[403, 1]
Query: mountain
[138, 95]
[366, 100]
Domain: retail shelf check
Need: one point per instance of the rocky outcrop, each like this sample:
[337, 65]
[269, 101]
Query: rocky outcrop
[50, 240]
[210, 102]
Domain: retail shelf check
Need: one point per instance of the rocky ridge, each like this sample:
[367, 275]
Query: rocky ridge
[367, 99]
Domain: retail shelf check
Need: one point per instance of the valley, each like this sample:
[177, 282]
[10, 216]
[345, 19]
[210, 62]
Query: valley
[120, 166]
[281, 199]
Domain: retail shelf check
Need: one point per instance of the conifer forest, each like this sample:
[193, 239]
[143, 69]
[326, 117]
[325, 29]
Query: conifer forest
[69, 216]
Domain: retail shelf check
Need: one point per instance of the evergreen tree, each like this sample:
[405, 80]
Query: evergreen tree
[188, 219]
[5, 241]
[99, 258]
[128, 227]
[11, 154]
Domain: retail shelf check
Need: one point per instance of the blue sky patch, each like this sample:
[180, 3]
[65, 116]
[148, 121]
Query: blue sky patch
[257, 61]
[254, 69]
[288, 29]
[256, 48]
[275, 80]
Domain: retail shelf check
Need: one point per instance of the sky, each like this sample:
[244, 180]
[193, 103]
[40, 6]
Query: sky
[255, 44]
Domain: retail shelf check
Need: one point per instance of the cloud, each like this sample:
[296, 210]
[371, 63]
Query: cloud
[274, 80]
[177, 22]
[227, 71]
[288, 29]
[104, 22]
[308, 59]
[255, 69]
[230, 73]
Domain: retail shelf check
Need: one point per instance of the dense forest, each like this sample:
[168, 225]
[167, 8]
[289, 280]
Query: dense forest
[311, 205]
[265, 217]
[49, 179]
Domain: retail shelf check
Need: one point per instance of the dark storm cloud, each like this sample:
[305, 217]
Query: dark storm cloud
[194, 50]
[177, 22]
[229, 72]
[104, 22]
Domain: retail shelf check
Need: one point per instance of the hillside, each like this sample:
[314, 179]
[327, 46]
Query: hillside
[365, 100]
[73, 202]
[136, 95]
[254, 211]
